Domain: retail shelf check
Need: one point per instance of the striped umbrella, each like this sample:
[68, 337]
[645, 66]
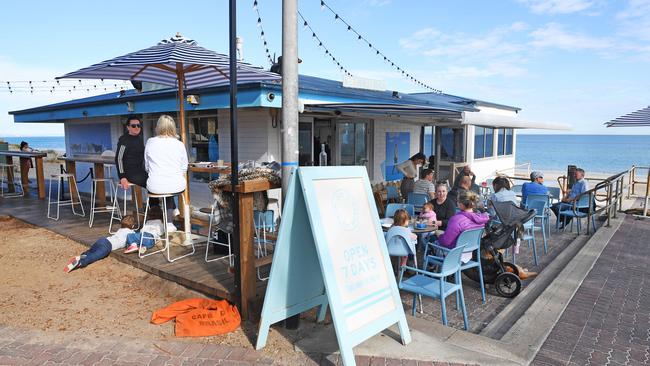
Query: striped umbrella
[175, 62]
[635, 119]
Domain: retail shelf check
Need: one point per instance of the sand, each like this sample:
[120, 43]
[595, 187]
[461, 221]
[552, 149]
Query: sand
[107, 298]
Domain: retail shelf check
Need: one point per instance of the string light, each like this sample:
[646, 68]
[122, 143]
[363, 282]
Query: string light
[320, 43]
[265, 45]
[55, 86]
[350, 28]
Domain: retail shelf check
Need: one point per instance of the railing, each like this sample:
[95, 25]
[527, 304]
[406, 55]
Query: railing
[513, 172]
[632, 182]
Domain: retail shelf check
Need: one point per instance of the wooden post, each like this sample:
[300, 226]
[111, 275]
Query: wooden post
[246, 253]
[24, 173]
[100, 193]
[71, 168]
[40, 177]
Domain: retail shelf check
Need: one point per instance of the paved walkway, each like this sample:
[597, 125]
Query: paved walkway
[608, 320]
[33, 347]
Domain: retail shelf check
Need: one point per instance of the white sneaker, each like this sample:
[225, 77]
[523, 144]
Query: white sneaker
[176, 212]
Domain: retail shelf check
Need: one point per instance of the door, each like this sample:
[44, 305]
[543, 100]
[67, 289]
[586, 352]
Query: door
[353, 143]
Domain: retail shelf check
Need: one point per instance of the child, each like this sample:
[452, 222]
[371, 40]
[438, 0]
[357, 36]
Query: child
[153, 229]
[401, 219]
[428, 214]
[103, 246]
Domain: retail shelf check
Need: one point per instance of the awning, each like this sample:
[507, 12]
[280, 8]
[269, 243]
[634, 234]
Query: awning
[639, 118]
[387, 109]
[495, 120]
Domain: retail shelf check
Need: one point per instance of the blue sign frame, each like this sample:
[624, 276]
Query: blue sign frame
[337, 259]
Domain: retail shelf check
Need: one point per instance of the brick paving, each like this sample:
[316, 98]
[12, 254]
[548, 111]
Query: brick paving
[33, 347]
[481, 314]
[608, 320]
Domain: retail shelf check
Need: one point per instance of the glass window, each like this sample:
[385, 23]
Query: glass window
[509, 134]
[452, 144]
[353, 144]
[305, 144]
[427, 141]
[501, 141]
[489, 142]
[479, 142]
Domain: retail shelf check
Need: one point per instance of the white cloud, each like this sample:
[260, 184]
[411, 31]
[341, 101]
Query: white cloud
[634, 19]
[558, 6]
[554, 35]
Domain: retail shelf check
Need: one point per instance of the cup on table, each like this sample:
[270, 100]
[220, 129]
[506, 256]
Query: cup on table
[219, 162]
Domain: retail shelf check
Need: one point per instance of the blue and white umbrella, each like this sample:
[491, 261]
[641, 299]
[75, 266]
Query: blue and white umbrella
[170, 61]
[635, 119]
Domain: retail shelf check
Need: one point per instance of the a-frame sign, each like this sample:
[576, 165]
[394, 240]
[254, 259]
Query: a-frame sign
[331, 250]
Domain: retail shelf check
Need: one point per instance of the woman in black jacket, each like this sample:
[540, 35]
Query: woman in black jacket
[129, 158]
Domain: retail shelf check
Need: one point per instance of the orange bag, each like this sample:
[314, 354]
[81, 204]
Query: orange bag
[199, 317]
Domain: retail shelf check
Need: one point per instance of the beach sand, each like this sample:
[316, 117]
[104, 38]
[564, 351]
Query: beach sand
[107, 298]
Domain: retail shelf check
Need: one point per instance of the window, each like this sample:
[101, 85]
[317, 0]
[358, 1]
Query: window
[452, 144]
[483, 142]
[428, 141]
[504, 141]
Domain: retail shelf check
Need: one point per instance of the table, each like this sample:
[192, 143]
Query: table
[98, 166]
[388, 222]
[40, 178]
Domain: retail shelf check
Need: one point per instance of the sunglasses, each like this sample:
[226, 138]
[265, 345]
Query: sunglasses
[137, 125]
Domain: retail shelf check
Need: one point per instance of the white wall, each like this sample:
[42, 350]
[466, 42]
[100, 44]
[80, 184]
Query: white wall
[258, 140]
[487, 167]
[381, 126]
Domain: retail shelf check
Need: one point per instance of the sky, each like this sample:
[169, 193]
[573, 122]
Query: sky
[578, 62]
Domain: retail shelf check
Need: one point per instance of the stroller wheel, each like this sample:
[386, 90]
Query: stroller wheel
[509, 267]
[507, 284]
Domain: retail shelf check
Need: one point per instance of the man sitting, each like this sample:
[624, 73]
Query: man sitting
[535, 186]
[579, 187]
[425, 184]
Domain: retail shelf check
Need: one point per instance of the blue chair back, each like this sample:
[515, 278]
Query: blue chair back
[538, 197]
[538, 205]
[391, 193]
[554, 192]
[451, 263]
[397, 242]
[417, 199]
[264, 220]
[470, 239]
[583, 201]
[392, 207]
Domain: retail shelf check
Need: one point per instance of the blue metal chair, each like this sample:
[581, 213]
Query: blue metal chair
[399, 244]
[392, 207]
[471, 240]
[435, 285]
[555, 194]
[417, 200]
[264, 222]
[573, 211]
[540, 204]
[392, 195]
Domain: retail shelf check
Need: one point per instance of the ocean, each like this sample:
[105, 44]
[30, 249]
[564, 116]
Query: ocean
[39, 142]
[594, 153]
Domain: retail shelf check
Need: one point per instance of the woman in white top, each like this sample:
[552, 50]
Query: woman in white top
[410, 170]
[165, 160]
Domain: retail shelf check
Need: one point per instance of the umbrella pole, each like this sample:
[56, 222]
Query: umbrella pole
[180, 76]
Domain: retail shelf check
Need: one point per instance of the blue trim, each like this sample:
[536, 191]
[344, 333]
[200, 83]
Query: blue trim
[289, 163]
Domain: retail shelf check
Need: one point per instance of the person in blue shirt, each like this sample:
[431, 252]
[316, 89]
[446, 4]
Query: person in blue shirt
[579, 187]
[535, 186]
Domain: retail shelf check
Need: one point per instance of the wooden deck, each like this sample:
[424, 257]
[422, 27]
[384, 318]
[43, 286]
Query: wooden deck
[212, 279]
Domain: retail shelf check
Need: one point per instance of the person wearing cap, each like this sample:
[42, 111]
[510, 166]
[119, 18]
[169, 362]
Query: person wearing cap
[535, 186]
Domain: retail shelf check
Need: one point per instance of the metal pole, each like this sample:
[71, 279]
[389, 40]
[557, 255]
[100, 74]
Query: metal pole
[289, 92]
[234, 158]
[289, 104]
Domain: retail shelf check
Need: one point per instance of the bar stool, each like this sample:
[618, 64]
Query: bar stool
[213, 239]
[16, 182]
[72, 182]
[116, 214]
[112, 190]
[165, 237]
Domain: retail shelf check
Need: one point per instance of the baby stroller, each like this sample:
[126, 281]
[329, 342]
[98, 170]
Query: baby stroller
[502, 234]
